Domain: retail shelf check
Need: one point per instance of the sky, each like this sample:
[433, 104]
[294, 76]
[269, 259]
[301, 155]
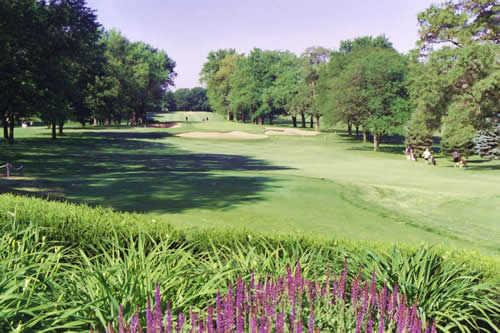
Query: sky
[188, 29]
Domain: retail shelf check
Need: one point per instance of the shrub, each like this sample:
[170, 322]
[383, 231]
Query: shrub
[121, 258]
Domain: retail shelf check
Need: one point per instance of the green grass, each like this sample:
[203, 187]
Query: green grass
[328, 186]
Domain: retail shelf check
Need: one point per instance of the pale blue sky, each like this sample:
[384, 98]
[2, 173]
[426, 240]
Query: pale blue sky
[188, 29]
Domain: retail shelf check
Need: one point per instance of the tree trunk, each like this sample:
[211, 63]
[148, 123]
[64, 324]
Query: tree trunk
[317, 122]
[261, 120]
[311, 122]
[365, 136]
[376, 142]
[303, 116]
[271, 118]
[349, 127]
[11, 130]
[61, 127]
[357, 130]
[5, 129]
[54, 135]
[229, 115]
[294, 121]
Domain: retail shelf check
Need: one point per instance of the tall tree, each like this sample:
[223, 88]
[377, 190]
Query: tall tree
[332, 103]
[21, 29]
[215, 74]
[255, 85]
[456, 85]
[70, 41]
[133, 81]
[314, 58]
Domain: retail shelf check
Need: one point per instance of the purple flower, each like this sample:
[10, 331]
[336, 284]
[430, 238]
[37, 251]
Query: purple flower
[369, 328]
[310, 323]
[210, 319]
[149, 317]
[158, 312]
[263, 306]
[169, 319]
[381, 325]
[180, 322]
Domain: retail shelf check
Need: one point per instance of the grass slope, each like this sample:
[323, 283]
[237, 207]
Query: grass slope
[327, 186]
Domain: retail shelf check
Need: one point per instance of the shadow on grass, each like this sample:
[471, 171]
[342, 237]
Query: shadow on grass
[482, 165]
[133, 171]
[392, 144]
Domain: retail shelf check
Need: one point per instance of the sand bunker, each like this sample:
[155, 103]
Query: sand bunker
[172, 124]
[289, 131]
[222, 135]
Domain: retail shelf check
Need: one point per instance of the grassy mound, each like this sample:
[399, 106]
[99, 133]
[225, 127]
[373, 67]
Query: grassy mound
[71, 266]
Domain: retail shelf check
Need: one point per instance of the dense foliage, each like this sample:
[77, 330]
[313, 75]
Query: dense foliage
[185, 99]
[132, 82]
[456, 86]
[93, 260]
[58, 64]
[263, 84]
[364, 85]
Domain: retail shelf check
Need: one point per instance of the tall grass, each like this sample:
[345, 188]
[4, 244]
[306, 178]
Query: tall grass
[65, 271]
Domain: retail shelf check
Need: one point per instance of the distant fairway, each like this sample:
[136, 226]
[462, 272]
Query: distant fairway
[328, 185]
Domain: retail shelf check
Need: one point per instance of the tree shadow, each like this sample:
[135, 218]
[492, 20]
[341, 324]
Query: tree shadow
[391, 144]
[482, 165]
[134, 171]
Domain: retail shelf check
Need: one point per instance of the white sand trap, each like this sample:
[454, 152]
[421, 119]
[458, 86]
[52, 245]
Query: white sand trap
[289, 131]
[222, 135]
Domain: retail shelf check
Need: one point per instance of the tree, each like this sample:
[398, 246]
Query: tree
[169, 101]
[70, 41]
[216, 73]
[132, 83]
[21, 28]
[313, 59]
[332, 103]
[365, 42]
[456, 86]
[459, 23]
[194, 99]
[377, 83]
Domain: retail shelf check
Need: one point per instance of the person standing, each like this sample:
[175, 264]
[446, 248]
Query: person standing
[455, 155]
[427, 155]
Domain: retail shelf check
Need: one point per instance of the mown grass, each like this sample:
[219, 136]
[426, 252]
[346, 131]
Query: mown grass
[328, 186]
[92, 260]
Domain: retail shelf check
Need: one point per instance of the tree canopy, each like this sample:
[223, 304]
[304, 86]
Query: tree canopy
[61, 65]
[456, 85]
[186, 99]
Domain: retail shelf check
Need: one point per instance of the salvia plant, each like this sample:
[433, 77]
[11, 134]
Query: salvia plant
[289, 303]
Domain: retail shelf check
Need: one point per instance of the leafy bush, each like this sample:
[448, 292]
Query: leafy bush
[105, 259]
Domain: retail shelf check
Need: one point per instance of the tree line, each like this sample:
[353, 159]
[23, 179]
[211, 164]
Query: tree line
[59, 64]
[449, 84]
[187, 99]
